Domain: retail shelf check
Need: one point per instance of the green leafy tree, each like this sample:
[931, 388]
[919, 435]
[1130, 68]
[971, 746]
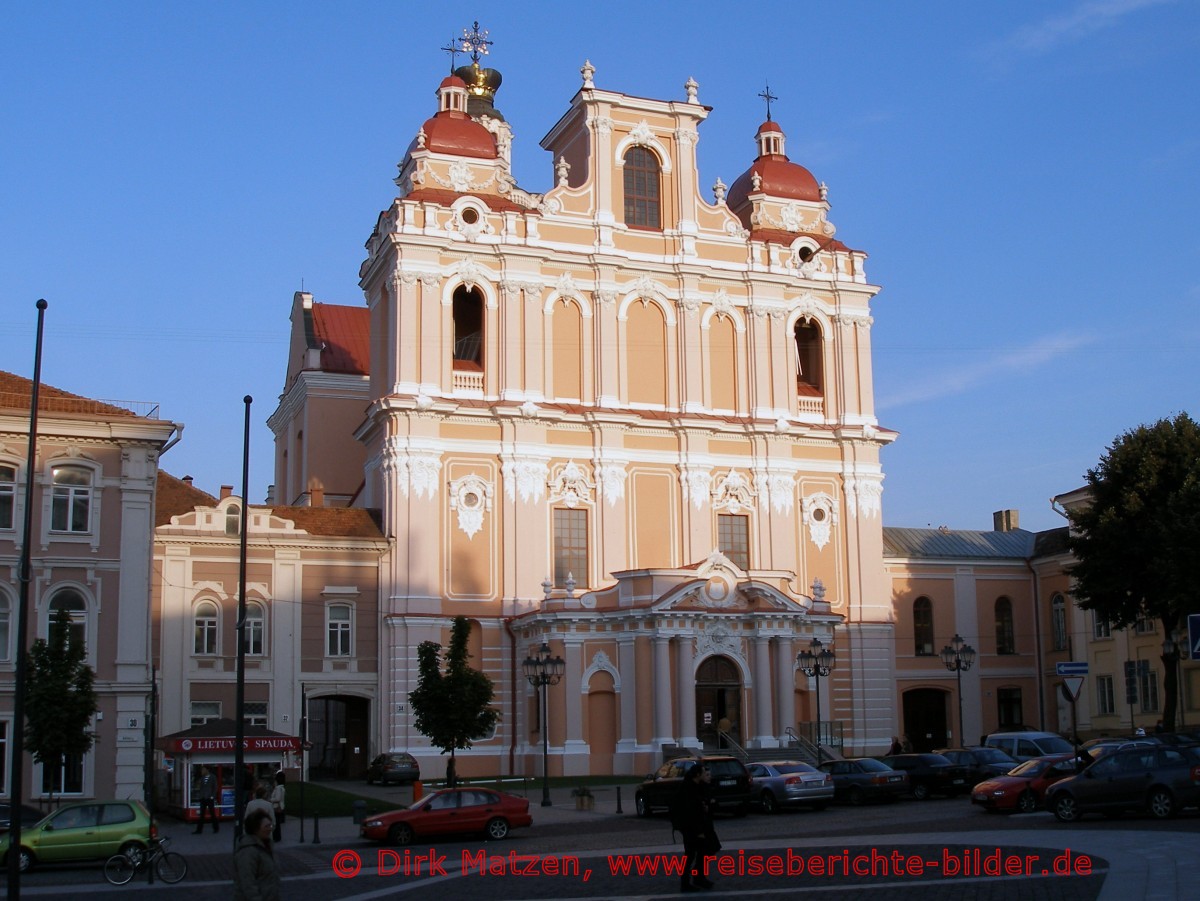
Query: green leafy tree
[452, 701]
[60, 700]
[1137, 541]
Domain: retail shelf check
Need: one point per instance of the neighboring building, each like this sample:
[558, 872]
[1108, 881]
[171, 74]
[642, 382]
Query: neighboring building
[658, 403]
[93, 509]
[312, 623]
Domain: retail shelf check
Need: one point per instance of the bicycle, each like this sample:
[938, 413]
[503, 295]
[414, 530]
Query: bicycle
[169, 866]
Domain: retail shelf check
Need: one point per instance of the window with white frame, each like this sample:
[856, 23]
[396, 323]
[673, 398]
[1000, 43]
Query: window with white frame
[1006, 642]
[339, 622]
[71, 601]
[8, 495]
[64, 777]
[233, 520]
[1100, 626]
[733, 538]
[570, 546]
[254, 641]
[205, 620]
[1058, 621]
[6, 611]
[1105, 699]
[205, 711]
[1146, 626]
[255, 713]
[1149, 691]
[71, 499]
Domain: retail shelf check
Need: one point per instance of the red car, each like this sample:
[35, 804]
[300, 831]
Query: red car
[1024, 788]
[450, 811]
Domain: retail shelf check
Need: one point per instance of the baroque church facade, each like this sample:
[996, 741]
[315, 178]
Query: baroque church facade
[619, 418]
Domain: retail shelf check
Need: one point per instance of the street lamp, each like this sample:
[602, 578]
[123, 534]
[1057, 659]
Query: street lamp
[959, 656]
[1176, 645]
[817, 661]
[541, 671]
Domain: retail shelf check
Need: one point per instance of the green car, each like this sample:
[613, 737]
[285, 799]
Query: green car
[83, 831]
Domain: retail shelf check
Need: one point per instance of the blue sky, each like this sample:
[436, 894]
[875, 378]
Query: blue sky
[1023, 176]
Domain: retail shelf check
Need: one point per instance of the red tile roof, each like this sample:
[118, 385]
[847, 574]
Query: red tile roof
[344, 336]
[16, 393]
[341, 522]
[174, 497]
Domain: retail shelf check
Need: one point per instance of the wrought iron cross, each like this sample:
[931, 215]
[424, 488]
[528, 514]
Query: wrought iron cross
[475, 42]
[454, 50]
[768, 96]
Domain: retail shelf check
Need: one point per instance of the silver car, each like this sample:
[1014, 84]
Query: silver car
[789, 783]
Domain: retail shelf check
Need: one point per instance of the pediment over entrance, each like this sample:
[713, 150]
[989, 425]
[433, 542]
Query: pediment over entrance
[719, 585]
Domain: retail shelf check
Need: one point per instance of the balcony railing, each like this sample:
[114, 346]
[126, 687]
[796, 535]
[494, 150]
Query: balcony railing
[15, 400]
[468, 381]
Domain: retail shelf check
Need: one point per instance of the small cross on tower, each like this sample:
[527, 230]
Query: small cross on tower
[768, 96]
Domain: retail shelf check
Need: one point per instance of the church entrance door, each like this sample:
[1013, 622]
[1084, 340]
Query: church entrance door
[718, 703]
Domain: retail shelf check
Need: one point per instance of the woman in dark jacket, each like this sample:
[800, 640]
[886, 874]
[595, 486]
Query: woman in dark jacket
[692, 816]
[255, 876]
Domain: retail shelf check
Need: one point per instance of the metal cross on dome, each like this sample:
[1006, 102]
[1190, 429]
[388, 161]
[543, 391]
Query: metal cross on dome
[454, 50]
[768, 96]
[475, 42]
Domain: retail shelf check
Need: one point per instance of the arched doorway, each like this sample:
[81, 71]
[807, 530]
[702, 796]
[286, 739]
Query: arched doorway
[338, 727]
[925, 718]
[718, 701]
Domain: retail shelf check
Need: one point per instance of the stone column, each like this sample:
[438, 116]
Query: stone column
[663, 734]
[785, 684]
[575, 750]
[685, 691]
[762, 693]
[627, 699]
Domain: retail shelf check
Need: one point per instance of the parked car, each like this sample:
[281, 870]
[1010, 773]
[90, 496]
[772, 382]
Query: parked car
[28, 815]
[83, 831]
[394, 766]
[789, 783]
[930, 774]
[981, 762]
[861, 779]
[1160, 780]
[1102, 747]
[1028, 745]
[450, 811]
[729, 791]
[1024, 789]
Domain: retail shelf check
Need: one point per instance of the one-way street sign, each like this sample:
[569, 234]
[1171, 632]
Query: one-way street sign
[1074, 668]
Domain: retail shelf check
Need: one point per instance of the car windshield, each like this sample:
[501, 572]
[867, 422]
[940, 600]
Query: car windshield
[992, 755]
[1055, 745]
[1030, 767]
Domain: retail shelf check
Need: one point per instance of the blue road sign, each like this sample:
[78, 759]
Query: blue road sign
[1194, 636]
[1074, 668]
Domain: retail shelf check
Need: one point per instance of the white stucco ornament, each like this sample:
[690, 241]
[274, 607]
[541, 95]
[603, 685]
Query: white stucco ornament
[471, 497]
[611, 478]
[696, 485]
[571, 486]
[526, 478]
[732, 493]
[820, 516]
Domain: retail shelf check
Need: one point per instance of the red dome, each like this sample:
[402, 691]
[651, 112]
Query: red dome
[780, 178]
[458, 134]
[452, 81]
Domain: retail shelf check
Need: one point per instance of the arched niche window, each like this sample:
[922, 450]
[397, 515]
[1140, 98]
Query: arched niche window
[1058, 622]
[233, 520]
[642, 189]
[809, 363]
[1006, 642]
[8, 495]
[71, 601]
[255, 634]
[923, 627]
[71, 499]
[468, 330]
[205, 622]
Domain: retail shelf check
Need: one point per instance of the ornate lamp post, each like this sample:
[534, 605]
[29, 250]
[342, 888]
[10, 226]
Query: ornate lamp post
[817, 661]
[958, 656]
[541, 671]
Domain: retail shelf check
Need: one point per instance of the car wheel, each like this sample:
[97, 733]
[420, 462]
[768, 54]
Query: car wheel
[767, 800]
[921, 791]
[26, 860]
[1160, 804]
[400, 834]
[1027, 803]
[135, 852]
[639, 803]
[857, 796]
[1065, 809]
[497, 829]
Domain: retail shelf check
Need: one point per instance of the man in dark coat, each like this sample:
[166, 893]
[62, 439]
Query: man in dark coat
[692, 816]
[206, 794]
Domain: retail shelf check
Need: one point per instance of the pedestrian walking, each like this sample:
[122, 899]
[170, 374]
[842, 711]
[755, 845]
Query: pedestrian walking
[691, 814]
[255, 875]
[277, 804]
[261, 802]
[206, 794]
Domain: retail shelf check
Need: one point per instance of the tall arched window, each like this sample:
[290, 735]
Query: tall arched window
[233, 520]
[923, 627]
[642, 189]
[809, 362]
[1006, 642]
[205, 620]
[468, 330]
[255, 632]
[71, 499]
[73, 603]
[1058, 621]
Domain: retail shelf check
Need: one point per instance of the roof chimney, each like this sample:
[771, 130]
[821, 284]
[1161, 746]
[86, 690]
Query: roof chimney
[187, 480]
[226, 490]
[1006, 520]
[316, 496]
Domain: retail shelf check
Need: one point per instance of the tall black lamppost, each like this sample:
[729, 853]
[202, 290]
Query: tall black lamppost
[817, 661]
[959, 656]
[541, 671]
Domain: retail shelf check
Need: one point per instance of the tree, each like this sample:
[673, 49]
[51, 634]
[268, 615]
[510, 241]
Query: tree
[451, 707]
[59, 699]
[1137, 540]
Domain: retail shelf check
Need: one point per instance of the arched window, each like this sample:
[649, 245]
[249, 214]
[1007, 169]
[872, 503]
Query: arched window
[923, 627]
[642, 189]
[233, 520]
[205, 619]
[1006, 642]
[71, 499]
[1058, 621]
[468, 330]
[73, 603]
[809, 362]
[8, 495]
[255, 632]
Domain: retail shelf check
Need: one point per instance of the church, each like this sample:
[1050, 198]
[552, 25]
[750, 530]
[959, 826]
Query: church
[627, 418]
